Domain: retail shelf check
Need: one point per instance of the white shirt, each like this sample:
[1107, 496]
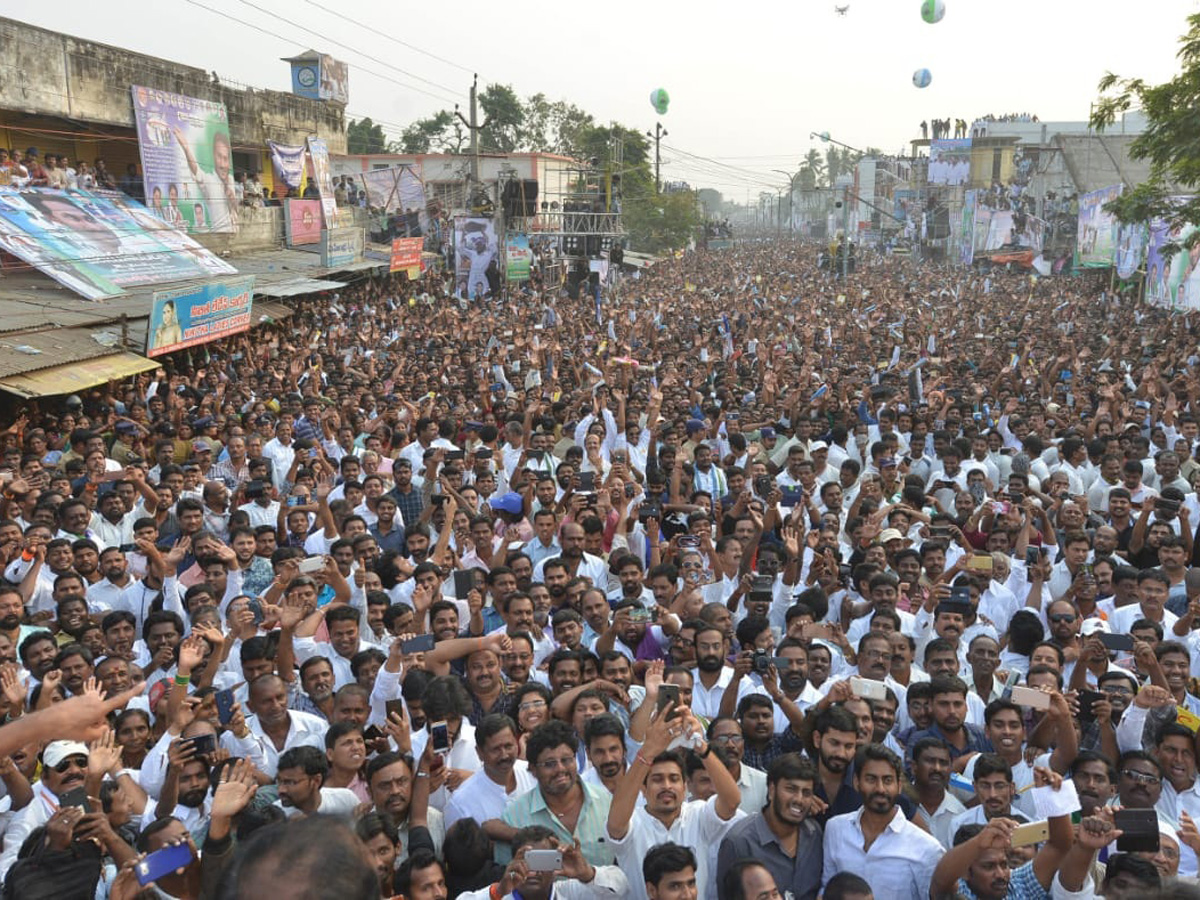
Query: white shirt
[609, 881]
[706, 702]
[899, 864]
[753, 784]
[340, 802]
[304, 730]
[697, 826]
[462, 755]
[281, 456]
[480, 798]
[940, 821]
[1122, 619]
[591, 567]
[308, 647]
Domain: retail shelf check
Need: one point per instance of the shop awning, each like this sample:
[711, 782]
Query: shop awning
[78, 376]
[296, 286]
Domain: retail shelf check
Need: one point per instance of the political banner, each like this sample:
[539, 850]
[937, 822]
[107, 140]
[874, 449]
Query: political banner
[966, 232]
[518, 257]
[341, 246]
[1131, 249]
[188, 316]
[187, 160]
[475, 249]
[288, 163]
[302, 219]
[406, 256]
[1096, 236]
[99, 243]
[1172, 278]
[318, 155]
[950, 161]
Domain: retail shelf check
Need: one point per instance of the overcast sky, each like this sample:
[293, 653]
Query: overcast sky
[748, 81]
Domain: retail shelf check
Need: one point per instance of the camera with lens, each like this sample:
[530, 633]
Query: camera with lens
[760, 662]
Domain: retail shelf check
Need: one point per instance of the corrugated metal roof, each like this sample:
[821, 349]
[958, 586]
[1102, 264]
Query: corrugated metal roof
[60, 346]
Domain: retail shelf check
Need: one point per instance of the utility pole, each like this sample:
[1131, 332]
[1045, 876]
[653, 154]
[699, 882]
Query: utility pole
[658, 134]
[845, 232]
[474, 128]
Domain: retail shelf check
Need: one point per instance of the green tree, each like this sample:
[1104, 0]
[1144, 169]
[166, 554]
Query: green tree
[812, 170]
[662, 222]
[833, 163]
[440, 133]
[364, 136]
[1171, 141]
[504, 117]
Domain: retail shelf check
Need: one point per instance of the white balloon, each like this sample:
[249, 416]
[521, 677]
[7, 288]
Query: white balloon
[922, 78]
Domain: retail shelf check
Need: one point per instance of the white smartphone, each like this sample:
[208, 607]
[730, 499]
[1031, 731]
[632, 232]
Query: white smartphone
[868, 688]
[543, 860]
[1031, 697]
[311, 564]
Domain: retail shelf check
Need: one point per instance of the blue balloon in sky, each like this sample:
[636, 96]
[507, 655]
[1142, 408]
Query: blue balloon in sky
[922, 78]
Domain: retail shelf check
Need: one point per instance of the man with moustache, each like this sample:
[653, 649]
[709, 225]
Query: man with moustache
[711, 676]
[64, 767]
[604, 743]
[782, 836]
[484, 795]
[660, 775]
[936, 806]
[1095, 780]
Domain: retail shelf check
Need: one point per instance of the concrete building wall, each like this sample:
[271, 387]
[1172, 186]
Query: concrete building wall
[47, 73]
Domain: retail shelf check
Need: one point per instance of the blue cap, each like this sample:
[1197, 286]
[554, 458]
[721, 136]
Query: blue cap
[511, 502]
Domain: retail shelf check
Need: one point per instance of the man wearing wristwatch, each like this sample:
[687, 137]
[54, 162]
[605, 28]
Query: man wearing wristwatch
[661, 775]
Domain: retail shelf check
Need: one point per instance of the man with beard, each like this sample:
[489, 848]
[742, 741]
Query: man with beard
[64, 768]
[782, 836]
[936, 806]
[604, 743]
[572, 809]
[184, 789]
[950, 719]
[12, 612]
[38, 652]
[1095, 780]
[834, 738]
[896, 857]
[300, 780]
[661, 777]
[504, 775]
[711, 676]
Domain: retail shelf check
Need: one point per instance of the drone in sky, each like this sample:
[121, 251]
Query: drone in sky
[842, 10]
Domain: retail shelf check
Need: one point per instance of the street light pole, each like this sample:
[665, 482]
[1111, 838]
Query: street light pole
[791, 198]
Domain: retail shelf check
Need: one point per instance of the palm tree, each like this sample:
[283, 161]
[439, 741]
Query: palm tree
[812, 169]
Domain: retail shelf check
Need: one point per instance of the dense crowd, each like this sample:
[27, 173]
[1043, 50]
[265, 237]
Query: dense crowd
[757, 582]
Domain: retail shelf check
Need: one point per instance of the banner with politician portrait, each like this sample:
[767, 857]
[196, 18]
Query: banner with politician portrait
[98, 243]
[318, 156]
[187, 160]
[476, 251]
[1096, 236]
